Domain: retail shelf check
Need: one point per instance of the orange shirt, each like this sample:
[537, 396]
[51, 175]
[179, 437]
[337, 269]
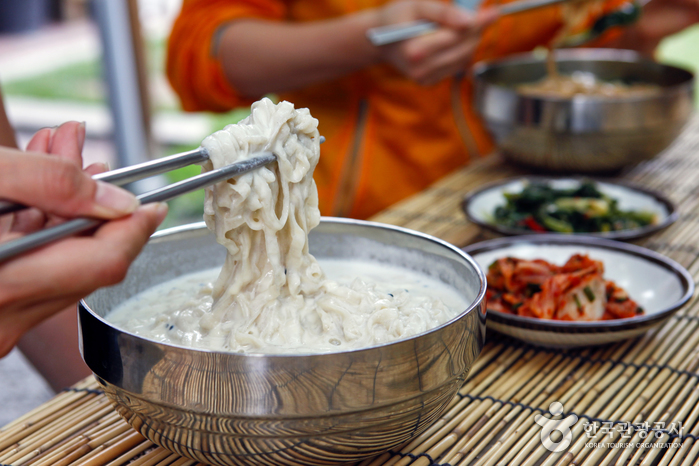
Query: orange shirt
[386, 137]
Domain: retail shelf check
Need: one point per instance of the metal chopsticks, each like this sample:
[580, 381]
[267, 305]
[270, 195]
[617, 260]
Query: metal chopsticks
[397, 32]
[122, 176]
[40, 238]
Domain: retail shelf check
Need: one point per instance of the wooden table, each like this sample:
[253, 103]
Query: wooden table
[492, 420]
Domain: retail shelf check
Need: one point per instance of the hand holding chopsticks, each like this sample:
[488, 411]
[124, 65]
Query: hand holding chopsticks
[122, 176]
[129, 174]
[50, 177]
[402, 31]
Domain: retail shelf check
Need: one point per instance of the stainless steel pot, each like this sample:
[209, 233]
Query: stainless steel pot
[239, 409]
[584, 133]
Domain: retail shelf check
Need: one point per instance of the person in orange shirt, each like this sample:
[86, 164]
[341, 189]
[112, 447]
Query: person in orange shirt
[396, 118]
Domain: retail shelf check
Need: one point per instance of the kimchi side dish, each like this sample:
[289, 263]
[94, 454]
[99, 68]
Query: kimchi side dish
[575, 291]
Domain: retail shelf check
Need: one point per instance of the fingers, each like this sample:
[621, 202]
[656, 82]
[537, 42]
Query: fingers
[96, 168]
[39, 284]
[432, 57]
[28, 221]
[449, 62]
[58, 186]
[486, 17]
[440, 55]
[10, 236]
[455, 17]
[128, 236]
[40, 142]
[425, 46]
[445, 14]
[108, 254]
[430, 44]
[67, 142]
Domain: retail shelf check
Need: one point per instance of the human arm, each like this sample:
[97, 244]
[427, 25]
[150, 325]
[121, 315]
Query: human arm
[226, 54]
[260, 57]
[659, 19]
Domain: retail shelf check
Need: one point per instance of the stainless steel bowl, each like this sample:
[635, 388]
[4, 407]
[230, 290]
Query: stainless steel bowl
[235, 409]
[583, 133]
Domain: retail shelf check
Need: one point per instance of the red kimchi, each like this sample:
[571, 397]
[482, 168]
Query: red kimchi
[573, 291]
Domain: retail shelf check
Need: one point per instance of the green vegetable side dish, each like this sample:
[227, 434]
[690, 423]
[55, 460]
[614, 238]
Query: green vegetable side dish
[583, 209]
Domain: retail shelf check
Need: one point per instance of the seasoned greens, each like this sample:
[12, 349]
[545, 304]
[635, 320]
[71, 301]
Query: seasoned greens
[583, 209]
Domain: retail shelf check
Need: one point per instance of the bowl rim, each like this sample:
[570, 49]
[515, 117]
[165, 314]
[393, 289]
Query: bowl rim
[582, 54]
[532, 323]
[200, 228]
[625, 235]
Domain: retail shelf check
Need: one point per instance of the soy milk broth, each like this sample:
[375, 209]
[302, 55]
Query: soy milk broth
[272, 295]
[169, 312]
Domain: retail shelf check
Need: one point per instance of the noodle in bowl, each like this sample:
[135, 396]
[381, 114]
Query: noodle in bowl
[272, 295]
[229, 408]
[583, 133]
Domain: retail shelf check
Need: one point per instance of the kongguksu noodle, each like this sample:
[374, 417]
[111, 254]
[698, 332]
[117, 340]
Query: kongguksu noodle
[271, 295]
[558, 85]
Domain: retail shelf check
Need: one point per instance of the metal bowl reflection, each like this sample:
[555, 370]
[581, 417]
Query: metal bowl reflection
[583, 133]
[259, 409]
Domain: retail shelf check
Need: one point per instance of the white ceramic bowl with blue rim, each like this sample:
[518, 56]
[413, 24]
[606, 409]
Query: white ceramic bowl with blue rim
[659, 285]
[480, 205]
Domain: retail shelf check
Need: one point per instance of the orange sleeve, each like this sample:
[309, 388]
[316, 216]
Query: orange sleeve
[524, 31]
[193, 67]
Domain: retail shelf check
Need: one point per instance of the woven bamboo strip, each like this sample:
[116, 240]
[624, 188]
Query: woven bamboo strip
[672, 386]
[522, 418]
[573, 373]
[68, 443]
[111, 449]
[487, 424]
[636, 438]
[575, 390]
[59, 429]
[51, 438]
[687, 445]
[478, 409]
[509, 437]
[638, 384]
[106, 424]
[74, 450]
[152, 458]
[78, 413]
[34, 421]
[128, 456]
[55, 404]
[515, 357]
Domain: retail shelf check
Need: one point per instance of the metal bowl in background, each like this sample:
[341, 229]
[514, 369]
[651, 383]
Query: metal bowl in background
[583, 134]
[259, 409]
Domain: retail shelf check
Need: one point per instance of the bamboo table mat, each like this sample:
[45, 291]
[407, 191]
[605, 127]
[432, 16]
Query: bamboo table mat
[651, 382]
